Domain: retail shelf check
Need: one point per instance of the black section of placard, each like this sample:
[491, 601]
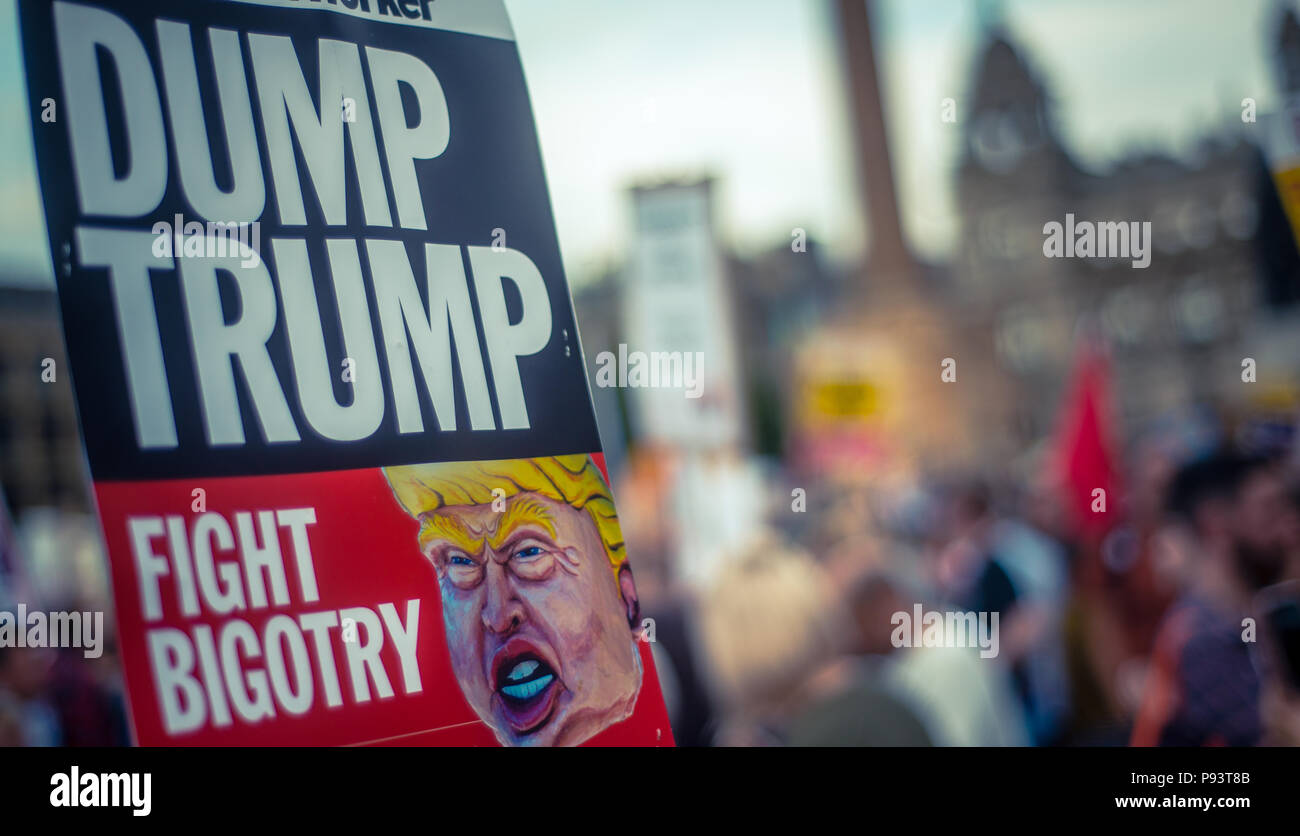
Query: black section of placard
[487, 188]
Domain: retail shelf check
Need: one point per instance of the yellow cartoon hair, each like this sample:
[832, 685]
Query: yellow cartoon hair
[424, 488]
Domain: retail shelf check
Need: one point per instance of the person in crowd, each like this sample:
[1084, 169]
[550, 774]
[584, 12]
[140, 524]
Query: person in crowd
[771, 633]
[31, 718]
[1203, 687]
[861, 709]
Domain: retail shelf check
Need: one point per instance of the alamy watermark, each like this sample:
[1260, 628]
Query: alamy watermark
[654, 370]
[1100, 239]
[84, 630]
[215, 239]
[75, 788]
[946, 629]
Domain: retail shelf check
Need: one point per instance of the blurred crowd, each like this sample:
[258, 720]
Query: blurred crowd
[57, 696]
[1177, 624]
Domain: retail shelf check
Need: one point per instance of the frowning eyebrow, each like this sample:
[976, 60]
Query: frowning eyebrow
[452, 529]
[522, 512]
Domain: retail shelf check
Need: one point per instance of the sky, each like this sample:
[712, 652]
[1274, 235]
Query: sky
[750, 92]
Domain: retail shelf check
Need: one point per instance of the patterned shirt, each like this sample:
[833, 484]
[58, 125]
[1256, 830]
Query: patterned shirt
[1203, 688]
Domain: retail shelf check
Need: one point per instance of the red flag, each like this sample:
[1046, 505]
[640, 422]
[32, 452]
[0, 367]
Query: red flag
[1086, 462]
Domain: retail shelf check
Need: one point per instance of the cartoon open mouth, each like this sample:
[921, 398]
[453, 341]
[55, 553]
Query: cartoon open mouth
[526, 687]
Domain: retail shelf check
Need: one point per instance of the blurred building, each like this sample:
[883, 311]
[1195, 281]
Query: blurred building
[781, 295]
[40, 448]
[1176, 327]
[852, 361]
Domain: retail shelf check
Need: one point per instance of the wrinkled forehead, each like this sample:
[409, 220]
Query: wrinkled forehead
[470, 526]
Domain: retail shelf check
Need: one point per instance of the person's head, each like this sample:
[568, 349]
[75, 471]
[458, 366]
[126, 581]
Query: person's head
[872, 602]
[769, 620]
[538, 600]
[973, 504]
[1236, 507]
[1154, 464]
[26, 672]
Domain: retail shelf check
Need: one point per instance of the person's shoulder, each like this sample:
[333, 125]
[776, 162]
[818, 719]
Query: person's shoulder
[1202, 634]
[1186, 618]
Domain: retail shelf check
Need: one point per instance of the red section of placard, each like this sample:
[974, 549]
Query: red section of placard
[363, 555]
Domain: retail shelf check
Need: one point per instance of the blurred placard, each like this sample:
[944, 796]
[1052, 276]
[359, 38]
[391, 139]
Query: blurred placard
[676, 313]
[847, 387]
